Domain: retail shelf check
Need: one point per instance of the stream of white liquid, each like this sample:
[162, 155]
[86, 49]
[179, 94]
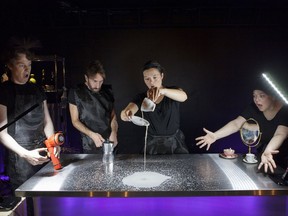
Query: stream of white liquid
[145, 145]
[145, 179]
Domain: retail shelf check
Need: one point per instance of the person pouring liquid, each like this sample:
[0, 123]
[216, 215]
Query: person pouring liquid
[164, 134]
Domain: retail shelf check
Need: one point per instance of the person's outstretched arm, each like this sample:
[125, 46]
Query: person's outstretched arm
[278, 138]
[210, 137]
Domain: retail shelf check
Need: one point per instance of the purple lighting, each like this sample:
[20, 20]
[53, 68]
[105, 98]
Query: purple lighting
[224, 205]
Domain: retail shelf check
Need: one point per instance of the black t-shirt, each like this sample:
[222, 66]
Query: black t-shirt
[165, 119]
[267, 127]
[18, 99]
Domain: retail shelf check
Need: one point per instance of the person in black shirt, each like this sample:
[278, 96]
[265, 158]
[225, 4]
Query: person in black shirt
[272, 117]
[92, 111]
[164, 134]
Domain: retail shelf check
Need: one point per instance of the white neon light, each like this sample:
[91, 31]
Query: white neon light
[274, 87]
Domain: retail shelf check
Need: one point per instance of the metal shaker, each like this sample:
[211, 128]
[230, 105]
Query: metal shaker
[108, 156]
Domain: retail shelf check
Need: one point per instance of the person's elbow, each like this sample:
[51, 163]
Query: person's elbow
[183, 97]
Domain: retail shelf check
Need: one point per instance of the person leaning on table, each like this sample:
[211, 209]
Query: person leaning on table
[272, 117]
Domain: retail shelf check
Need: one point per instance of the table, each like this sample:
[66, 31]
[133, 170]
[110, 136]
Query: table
[84, 175]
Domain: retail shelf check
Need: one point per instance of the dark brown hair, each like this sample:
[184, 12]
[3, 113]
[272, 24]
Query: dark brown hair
[95, 67]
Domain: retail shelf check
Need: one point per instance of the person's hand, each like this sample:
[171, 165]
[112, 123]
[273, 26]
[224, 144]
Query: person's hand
[57, 150]
[34, 157]
[154, 93]
[267, 160]
[98, 139]
[206, 140]
[126, 115]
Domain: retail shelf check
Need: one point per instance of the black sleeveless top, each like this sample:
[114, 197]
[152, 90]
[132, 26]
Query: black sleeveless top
[29, 129]
[94, 109]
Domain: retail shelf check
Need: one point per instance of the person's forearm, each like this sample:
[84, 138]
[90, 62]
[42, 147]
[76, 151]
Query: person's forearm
[82, 128]
[175, 94]
[49, 127]
[114, 129]
[230, 128]
[11, 144]
[280, 135]
[114, 123]
[275, 143]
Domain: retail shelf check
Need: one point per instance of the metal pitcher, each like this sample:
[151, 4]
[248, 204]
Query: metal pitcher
[108, 147]
[108, 156]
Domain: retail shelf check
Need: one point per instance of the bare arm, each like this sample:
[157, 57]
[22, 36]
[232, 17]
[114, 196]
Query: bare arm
[49, 128]
[129, 111]
[175, 94]
[230, 128]
[210, 137]
[33, 156]
[155, 94]
[114, 128]
[96, 137]
[48, 124]
[278, 138]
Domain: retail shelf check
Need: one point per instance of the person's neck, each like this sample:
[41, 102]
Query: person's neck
[273, 110]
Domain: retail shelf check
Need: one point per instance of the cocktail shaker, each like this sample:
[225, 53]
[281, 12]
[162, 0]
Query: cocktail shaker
[108, 156]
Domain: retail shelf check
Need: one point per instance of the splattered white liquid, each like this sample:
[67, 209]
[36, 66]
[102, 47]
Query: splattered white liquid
[145, 179]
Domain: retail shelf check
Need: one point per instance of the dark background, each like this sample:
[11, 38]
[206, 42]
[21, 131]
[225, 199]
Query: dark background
[211, 49]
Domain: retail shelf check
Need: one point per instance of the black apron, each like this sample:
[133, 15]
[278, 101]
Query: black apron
[95, 110]
[173, 144]
[28, 131]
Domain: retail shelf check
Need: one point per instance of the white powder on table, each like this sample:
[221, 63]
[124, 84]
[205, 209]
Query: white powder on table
[145, 179]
